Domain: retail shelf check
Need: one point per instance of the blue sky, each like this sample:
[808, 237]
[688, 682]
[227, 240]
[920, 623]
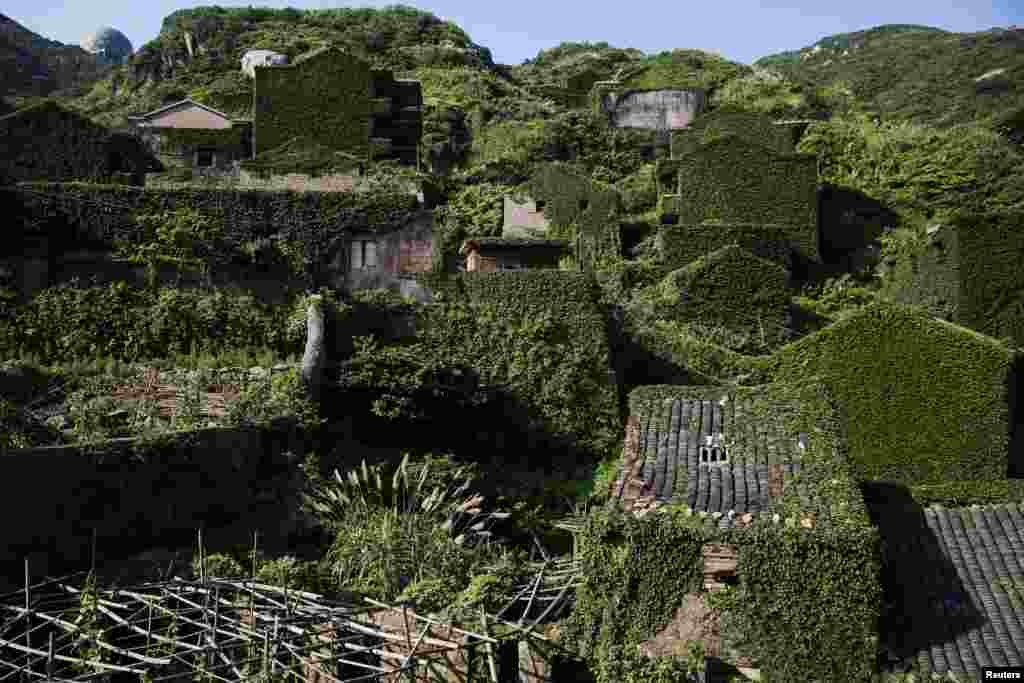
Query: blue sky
[741, 30]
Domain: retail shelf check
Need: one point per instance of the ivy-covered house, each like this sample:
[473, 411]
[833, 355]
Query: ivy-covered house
[49, 142]
[338, 100]
[735, 504]
[490, 254]
[734, 178]
[191, 135]
[969, 272]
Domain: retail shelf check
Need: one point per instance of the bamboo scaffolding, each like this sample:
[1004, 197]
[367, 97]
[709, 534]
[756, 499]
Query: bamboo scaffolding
[216, 624]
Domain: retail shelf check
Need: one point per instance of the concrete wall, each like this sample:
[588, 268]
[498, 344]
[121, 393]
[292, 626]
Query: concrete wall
[523, 219]
[657, 109]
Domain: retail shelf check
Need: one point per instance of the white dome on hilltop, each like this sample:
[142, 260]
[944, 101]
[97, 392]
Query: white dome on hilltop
[108, 44]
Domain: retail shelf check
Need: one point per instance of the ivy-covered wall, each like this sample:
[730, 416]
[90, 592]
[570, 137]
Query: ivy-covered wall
[178, 146]
[730, 180]
[808, 567]
[580, 210]
[678, 245]
[753, 127]
[566, 379]
[318, 223]
[729, 287]
[923, 400]
[970, 271]
[327, 96]
[49, 142]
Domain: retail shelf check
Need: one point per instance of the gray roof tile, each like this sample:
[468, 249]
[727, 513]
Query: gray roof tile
[969, 598]
[668, 461]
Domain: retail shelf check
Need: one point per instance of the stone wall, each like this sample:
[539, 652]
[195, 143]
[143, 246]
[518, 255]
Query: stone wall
[298, 182]
[657, 110]
[39, 270]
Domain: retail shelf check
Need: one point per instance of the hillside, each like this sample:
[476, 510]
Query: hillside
[32, 65]
[915, 73]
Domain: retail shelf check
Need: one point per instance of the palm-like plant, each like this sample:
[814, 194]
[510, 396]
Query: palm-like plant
[391, 531]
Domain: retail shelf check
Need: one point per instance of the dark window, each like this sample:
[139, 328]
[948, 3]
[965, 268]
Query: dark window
[204, 157]
[584, 203]
[540, 205]
[670, 219]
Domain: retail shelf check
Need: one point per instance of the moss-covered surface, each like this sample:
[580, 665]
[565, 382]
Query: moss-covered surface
[326, 96]
[678, 245]
[969, 272]
[753, 127]
[313, 222]
[923, 400]
[540, 333]
[580, 210]
[681, 69]
[815, 570]
[303, 155]
[47, 141]
[732, 181]
[729, 287]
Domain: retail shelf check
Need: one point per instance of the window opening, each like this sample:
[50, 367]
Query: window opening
[364, 254]
[584, 203]
[541, 204]
[204, 157]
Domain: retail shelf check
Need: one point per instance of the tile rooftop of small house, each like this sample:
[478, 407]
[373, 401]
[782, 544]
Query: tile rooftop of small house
[960, 602]
[664, 464]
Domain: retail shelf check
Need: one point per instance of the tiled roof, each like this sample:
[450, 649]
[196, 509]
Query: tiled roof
[958, 578]
[662, 457]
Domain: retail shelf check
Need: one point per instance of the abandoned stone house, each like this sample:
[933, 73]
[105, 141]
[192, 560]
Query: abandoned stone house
[49, 142]
[253, 58]
[486, 255]
[523, 217]
[386, 261]
[327, 96]
[188, 134]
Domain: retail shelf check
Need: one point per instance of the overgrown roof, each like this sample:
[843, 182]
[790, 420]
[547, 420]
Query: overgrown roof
[510, 243]
[664, 439]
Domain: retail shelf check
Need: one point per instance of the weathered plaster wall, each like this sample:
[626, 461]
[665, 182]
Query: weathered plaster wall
[523, 219]
[657, 109]
[400, 255]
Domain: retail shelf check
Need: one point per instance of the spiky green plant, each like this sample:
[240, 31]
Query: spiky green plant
[391, 531]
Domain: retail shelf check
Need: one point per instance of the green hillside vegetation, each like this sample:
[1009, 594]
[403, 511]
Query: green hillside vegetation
[917, 73]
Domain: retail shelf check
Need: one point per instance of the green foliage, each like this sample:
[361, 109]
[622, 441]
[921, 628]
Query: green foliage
[801, 590]
[965, 493]
[729, 180]
[915, 73]
[968, 272]
[581, 211]
[74, 321]
[682, 68]
[391, 532]
[326, 97]
[302, 155]
[49, 141]
[313, 221]
[768, 92]
[751, 126]
[923, 400]
[917, 170]
[729, 287]
[680, 244]
[275, 395]
[540, 333]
